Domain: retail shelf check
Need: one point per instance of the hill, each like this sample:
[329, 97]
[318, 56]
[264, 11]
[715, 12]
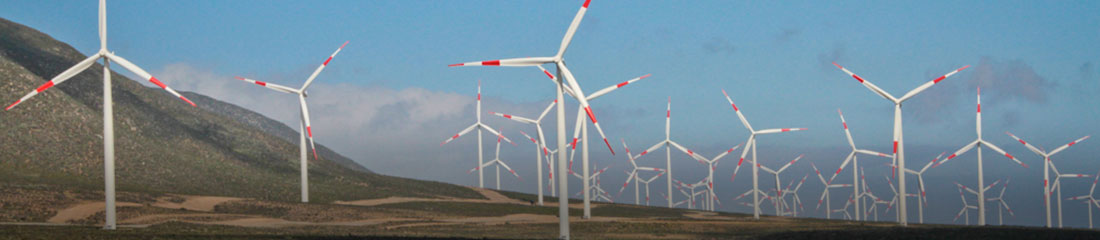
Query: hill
[162, 145]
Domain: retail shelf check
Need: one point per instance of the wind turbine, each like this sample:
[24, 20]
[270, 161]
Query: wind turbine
[875, 200]
[779, 191]
[633, 175]
[1089, 200]
[692, 188]
[853, 158]
[480, 127]
[899, 140]
[965, 204]
[825, 193]
[755, 203]
[580, 132]
[920, 183]
[712, 165]
[796, 202]
[1002, 206]
[751, 144]
[108, 105]
[668, 143]
[897, 197]
[549, 163]
[563, 71]
[596, 190]
[496, 161]
[646, 181]
[304, 127]
[1048, 165]
[844, 209]
[540, 144]
[980, 143]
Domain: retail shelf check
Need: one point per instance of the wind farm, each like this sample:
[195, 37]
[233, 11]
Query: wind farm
[108, 155]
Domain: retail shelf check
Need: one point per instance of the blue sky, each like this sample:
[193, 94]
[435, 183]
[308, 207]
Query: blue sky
[388, 98]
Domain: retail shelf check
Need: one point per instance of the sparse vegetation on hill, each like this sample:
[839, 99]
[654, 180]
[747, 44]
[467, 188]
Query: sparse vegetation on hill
[162, 145]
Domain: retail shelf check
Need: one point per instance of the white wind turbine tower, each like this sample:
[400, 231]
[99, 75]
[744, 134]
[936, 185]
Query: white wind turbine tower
[559, 61]
[899, 140]
[108, 105]
[634, 175]
[480, 127]
[540, 146]
[920, 183]
[580, 133]
[496, 160]
[825, 193]
[1048, 165]
[980, 143]
[304, 127]
[667, 143]
[1089, 200]
[853, 158]
[1002, 206]
[751, 144]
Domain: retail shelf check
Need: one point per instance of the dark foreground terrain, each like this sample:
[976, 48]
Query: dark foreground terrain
[49, 213]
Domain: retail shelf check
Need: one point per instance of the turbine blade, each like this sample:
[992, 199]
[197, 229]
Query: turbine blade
[62, 77]
[459, 134]
[738, 111]
[962, 150]
[495, 132]
[1028, 145]
[928, 84]
[141, 73]
[790, 163]
[611, 88]
[511, 62]
[514, 117]
[1002, 152]
[309, 128]
[268, 85]
[846, 131]
[102, 24]
[868, 84]
[322, 67]
[779, 130]
[1063, 147]
[584, 103]
[573, 28]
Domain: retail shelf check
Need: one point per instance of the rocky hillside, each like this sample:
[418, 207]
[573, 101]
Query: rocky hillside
[162, 144]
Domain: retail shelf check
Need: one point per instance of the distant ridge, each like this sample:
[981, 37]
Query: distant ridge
[161, 145]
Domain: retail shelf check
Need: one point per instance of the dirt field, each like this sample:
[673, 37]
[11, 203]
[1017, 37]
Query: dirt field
[143, 216]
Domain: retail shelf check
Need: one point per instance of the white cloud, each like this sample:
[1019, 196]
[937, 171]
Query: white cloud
[392, 131]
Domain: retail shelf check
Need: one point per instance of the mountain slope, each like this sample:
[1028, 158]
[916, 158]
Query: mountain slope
[162, 144]
[267, 125]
